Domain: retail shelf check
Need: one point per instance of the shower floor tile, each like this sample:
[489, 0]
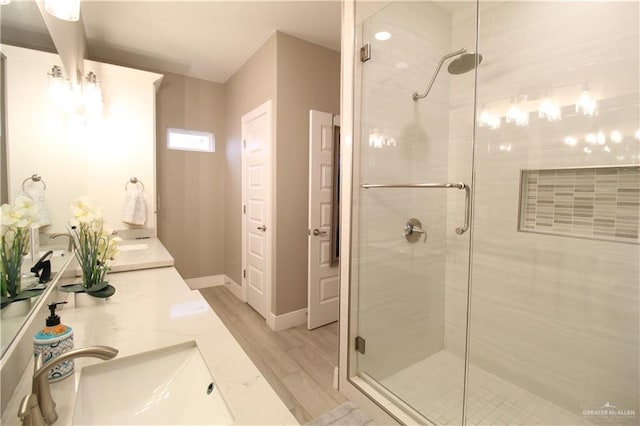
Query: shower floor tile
[434, 387]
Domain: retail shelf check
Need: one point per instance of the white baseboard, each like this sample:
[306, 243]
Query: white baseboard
[288, 320]
[205, 282]
[233, 287]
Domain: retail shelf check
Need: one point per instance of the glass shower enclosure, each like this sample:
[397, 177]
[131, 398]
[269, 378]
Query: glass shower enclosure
[495, 212]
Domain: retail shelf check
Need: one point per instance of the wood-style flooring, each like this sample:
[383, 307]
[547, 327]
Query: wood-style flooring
[298, 363]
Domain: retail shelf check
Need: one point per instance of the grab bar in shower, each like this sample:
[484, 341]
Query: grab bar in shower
[457, 185]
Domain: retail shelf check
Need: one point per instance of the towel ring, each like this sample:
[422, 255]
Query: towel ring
[35, 178]
[134, 180]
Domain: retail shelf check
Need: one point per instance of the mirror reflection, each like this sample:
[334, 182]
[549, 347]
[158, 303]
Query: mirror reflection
[21, 25]
[94, 138]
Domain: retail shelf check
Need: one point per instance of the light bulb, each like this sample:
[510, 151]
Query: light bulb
[586, 104]
[488, 120]
[549, 110]
[616, 136]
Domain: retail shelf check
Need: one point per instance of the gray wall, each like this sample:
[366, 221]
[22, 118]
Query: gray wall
[191, 184]
[308, 77]
[206, 237]
[252, 85]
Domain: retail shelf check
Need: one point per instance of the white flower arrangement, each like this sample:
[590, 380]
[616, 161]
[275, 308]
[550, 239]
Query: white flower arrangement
[16, 221]
[95, 247]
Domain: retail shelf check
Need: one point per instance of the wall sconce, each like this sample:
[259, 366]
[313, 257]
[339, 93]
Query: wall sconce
[92, 95]
[59, 87]
[67, 10]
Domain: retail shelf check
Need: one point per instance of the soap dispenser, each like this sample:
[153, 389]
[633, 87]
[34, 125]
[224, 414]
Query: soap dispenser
[53, 340]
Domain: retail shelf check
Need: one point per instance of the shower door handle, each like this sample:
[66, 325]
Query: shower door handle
[467, 211]
[457, 185]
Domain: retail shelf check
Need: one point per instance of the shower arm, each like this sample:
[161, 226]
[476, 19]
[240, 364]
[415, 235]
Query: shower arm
[415, 96]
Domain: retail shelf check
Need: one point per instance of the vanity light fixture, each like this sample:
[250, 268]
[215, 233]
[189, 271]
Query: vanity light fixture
[378, 140]
[80, 100]
[67, 10]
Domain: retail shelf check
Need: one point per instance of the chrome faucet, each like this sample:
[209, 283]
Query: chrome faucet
[38, 408]
[71, 245]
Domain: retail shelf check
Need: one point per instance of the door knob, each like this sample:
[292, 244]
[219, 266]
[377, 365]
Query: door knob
[317, 232]
[263, 228]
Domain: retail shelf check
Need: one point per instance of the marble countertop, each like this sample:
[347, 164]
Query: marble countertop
[154, 255]
[154, 308]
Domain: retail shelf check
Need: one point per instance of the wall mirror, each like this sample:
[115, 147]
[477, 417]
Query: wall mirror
[22, 25]
[74, 154]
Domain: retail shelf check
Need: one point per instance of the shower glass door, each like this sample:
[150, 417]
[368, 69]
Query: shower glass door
[410, 246]
[555, 324]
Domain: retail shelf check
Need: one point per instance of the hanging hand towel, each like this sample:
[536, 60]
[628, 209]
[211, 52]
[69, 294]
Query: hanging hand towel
[135, 210]
[37, 195]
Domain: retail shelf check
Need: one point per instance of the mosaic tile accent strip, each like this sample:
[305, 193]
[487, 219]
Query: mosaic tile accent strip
[599, 202]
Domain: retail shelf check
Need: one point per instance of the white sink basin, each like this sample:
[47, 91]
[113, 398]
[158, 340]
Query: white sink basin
[166, 386]
[131, 247]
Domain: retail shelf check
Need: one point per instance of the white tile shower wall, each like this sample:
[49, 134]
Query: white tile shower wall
[401, 291]
[556, 316]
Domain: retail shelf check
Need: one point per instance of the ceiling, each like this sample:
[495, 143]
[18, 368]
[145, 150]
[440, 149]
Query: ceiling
[204, 39]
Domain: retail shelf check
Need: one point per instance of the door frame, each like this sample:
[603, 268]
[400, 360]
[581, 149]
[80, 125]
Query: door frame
[265, 108]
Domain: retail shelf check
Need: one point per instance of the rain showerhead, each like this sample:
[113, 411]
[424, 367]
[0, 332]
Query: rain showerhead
[465, 63]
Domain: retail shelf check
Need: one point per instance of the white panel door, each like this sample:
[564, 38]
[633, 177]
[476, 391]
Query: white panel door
[256, 138]
[323, 278]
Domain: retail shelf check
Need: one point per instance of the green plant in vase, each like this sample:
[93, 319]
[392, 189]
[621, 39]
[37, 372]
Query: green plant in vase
[16, 223]
[95, 247]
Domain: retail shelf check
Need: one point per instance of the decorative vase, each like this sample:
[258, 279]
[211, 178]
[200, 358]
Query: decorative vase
[18, 308]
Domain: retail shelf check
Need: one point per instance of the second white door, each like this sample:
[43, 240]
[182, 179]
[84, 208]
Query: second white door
[323, 273]
[257, 230]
